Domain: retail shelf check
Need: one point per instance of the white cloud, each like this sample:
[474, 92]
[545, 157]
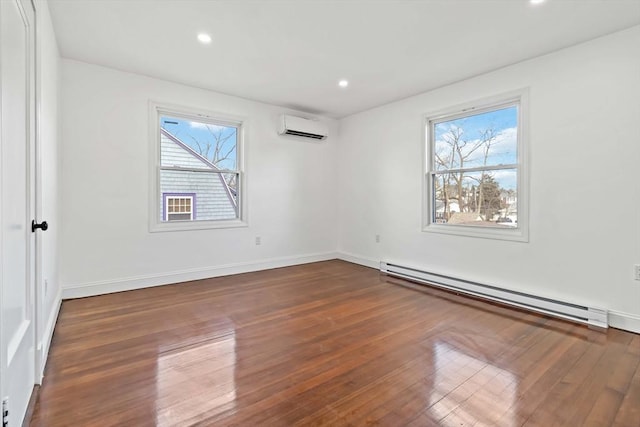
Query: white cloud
[212, 128]
[507, 178]
[503, 151]
[508, 136]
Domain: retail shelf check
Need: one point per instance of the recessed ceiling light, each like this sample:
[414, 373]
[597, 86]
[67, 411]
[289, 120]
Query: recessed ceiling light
[536, 1]
[204, 38]
[343, 83]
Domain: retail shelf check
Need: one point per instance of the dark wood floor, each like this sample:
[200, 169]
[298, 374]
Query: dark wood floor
[330, 343]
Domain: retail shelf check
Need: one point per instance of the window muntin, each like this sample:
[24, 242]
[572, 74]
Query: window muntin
[200, 155]
[474, 171]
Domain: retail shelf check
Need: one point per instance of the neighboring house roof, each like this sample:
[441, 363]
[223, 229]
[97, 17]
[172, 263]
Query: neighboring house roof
[453, 206]
[190, 150]
[464, 218]
[201, 159]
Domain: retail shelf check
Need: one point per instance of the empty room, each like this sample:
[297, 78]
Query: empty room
[320, 213]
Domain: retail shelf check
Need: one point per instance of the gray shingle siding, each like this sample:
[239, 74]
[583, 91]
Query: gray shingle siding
[173, 154]
[212, 198]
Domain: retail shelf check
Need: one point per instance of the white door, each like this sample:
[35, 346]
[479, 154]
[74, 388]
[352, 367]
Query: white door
[17, 312]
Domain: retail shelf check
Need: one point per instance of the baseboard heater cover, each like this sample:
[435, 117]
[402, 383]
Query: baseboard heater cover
[574, 312]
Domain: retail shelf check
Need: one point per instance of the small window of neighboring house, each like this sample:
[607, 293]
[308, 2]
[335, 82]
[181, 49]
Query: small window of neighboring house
[196, 159]
[475, 180]
[179, 207]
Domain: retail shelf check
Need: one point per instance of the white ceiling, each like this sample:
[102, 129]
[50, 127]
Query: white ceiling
[293, 52]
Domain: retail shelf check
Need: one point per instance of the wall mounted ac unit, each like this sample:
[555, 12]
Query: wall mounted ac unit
[305, 128]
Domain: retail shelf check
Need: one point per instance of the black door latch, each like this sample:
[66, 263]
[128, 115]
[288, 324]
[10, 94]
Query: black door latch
[43, 226]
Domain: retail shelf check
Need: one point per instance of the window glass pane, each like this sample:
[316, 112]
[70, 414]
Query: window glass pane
[193, 153]
[485, 139]
[212, 198]
[198, 164]
[193, 144]
[488, 198]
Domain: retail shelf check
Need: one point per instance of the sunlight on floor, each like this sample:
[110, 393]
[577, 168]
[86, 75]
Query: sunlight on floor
[470, 391]
[196, 382]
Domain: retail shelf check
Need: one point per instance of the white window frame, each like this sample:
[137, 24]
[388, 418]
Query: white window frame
[156, 110]
[166, 206]
[519, 233]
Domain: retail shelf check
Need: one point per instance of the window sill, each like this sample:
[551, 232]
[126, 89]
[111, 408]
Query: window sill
[160, 227]
[510, 234]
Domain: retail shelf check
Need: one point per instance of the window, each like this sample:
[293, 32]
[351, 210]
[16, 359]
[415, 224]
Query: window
[475, 170]
[178, 207]
[196, 163]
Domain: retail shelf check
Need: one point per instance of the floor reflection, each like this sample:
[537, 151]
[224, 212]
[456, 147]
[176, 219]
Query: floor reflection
[196, 381]
[470, 391]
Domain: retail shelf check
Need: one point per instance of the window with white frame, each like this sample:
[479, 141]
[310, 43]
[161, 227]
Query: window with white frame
[178, 207]
[196, 158]
[475, 177]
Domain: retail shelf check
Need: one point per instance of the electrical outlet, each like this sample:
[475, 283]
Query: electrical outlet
[258, 240]
[377, 238]
[637, 271]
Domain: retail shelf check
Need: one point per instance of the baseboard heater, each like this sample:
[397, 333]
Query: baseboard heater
[574, 312]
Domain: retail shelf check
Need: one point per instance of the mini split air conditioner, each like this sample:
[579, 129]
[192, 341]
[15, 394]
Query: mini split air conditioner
[305, 128]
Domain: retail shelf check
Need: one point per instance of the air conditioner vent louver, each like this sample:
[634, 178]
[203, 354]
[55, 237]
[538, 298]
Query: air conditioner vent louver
[301, 127]
[304, 134]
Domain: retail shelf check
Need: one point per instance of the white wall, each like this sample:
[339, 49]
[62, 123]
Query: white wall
[105, 242]
[48, 78]
[584, 205]
[584, 181]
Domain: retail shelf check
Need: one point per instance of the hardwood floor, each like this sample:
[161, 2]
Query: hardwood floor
[329, 343]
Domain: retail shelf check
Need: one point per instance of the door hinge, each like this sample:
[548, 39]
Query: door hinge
[5, 412]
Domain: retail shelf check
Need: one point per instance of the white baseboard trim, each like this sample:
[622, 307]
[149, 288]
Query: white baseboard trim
[48, 332]
[616, 319]
[359, 259]
[102, 287]
[627, 321]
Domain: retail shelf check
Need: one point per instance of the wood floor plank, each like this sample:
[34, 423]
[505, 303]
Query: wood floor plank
[328, 343]
[629, 411]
